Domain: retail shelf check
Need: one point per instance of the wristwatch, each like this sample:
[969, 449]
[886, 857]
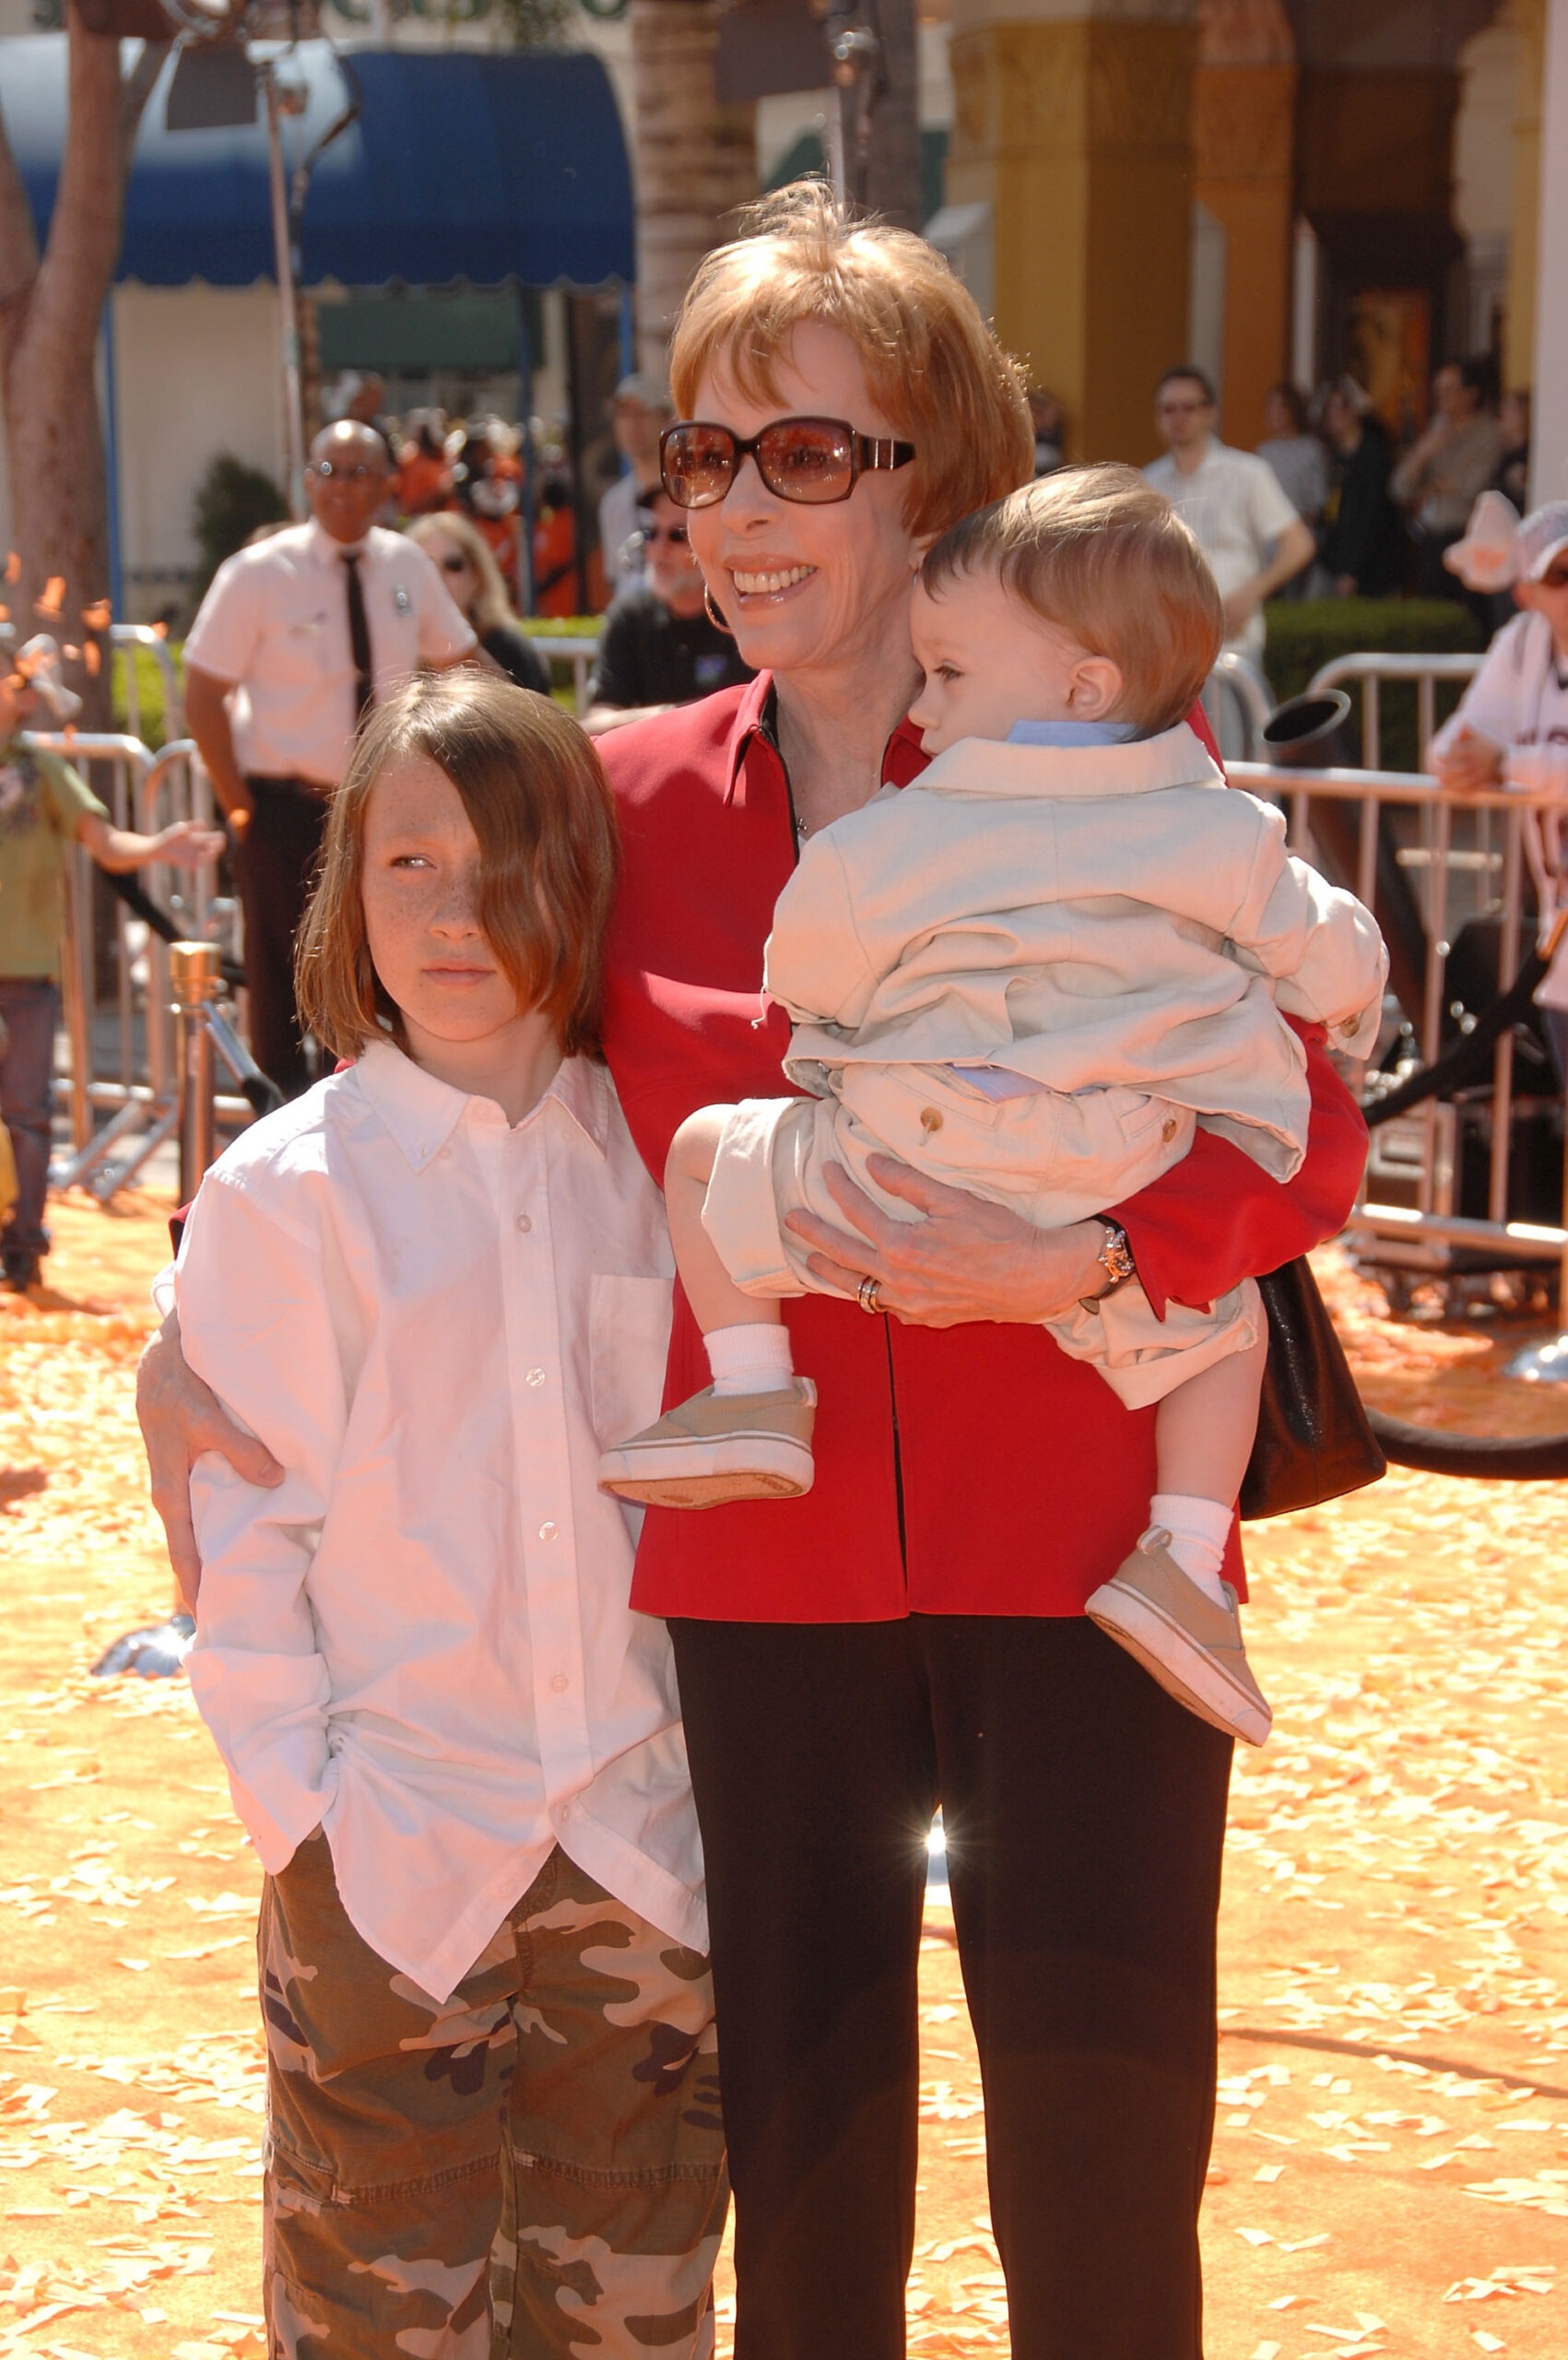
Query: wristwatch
[1115, 1258]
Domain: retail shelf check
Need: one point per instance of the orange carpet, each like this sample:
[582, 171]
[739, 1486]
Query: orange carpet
[1391, 2169]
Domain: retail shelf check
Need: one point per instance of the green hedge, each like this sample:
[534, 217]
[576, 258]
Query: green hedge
[149, 689]
[1305, 634]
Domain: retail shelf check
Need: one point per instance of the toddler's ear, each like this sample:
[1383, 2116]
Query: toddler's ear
[1095, 687]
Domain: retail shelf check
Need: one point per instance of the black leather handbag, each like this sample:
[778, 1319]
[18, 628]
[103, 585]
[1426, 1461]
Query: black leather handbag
[1313, 1442]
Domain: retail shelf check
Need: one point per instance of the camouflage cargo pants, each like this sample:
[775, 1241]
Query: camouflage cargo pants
[534, 2171]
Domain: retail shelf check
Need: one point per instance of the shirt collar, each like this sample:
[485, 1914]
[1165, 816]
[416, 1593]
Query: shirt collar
[1072, 733]
[421, 1113]
[326, 551]
[982, 766]
[753, 719]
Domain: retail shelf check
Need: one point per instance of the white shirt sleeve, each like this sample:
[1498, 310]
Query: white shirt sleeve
[1493, 704]
[1271, 510]
[1317, 944]
[222, 641]
[445, 633]
[255, 1326]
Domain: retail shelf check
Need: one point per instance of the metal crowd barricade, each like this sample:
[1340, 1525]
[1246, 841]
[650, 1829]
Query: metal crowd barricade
[1417, 1236]
[131, 1076]
[1370, 671]
[1236, 687]
[576, 648]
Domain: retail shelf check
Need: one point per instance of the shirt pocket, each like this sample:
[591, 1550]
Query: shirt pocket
[629, 1325]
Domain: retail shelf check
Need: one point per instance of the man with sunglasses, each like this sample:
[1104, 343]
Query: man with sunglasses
[296, 639]
[660, 646]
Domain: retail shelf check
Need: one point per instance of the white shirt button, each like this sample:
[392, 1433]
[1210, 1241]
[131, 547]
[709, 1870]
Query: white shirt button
[548, 1530]
[536, 1377]
[560, 1683]
[524, 1222]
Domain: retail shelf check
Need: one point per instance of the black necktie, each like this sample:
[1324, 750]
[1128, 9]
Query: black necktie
[360, 640]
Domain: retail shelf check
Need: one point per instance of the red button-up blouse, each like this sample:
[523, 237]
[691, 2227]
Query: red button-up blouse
[960, 1470]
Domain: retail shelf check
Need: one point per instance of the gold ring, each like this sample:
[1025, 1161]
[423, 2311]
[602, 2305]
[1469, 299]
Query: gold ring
[868, 1292]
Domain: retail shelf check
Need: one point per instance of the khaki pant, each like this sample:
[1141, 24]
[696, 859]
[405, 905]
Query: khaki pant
[532, 2171]
[1051, 1157]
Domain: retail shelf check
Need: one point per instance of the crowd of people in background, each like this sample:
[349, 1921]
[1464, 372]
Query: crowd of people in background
[1380, 520]
[1376, 521]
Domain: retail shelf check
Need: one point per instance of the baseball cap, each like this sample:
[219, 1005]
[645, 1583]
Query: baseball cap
[1543, 536]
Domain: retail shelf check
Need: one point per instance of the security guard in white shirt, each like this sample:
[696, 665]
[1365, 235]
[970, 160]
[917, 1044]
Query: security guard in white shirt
[296, 639]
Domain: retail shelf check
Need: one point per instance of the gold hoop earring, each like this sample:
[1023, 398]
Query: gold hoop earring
[713, 614]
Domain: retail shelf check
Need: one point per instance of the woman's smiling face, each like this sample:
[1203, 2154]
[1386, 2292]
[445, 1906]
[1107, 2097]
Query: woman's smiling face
[804, 588]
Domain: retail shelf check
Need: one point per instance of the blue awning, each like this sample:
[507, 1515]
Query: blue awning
[471, 166]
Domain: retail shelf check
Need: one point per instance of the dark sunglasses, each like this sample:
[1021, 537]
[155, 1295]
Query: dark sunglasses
[326, 472]
[809, 459]
[675, 534]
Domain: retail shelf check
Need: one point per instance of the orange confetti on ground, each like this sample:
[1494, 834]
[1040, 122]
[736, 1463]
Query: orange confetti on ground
[1391, 2161]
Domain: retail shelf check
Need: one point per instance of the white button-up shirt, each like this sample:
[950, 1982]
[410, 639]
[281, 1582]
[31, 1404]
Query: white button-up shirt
[275, 624]
[421, 1641]
[1236, 511]
[1519, 701]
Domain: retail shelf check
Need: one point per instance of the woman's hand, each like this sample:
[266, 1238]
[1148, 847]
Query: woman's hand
[966, 1260]
[180, 1419]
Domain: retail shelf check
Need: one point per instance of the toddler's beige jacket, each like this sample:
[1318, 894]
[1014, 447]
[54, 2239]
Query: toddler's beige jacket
[1087, 917]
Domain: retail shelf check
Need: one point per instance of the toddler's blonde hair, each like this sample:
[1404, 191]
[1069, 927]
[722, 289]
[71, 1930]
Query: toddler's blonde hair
[1101, 554]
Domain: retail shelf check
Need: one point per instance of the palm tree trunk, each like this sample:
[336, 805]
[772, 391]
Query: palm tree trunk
[51, 308]
[893, 177]
[693, 160]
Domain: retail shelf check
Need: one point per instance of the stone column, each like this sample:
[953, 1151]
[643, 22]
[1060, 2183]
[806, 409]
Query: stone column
[1549, 460]
[1243, 108]
[1073, 123]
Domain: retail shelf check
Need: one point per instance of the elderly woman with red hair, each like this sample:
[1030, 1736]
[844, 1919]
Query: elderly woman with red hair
[911, 1633]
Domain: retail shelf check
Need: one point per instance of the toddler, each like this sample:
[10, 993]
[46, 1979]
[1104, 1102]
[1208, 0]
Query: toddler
[1029, 976]
[434, 1285]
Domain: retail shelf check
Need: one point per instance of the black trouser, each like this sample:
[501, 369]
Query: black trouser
[275, 867]
[1085, 1817]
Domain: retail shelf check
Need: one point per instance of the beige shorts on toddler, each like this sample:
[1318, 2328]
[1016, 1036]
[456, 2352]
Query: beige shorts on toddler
[1054, 1158]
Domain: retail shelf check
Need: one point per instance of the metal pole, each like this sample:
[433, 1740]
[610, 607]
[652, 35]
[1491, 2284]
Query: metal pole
[196, 976]
[288, 321]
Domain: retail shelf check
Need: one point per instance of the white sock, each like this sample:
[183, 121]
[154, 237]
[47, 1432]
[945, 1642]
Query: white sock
[1198, 1530]
[754, 1359]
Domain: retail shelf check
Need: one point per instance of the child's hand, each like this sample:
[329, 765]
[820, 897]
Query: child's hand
[187, 846]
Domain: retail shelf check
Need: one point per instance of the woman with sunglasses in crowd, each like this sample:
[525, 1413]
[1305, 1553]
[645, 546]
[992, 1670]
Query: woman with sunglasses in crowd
[660, 647]
[456, 546]
[912, 1631]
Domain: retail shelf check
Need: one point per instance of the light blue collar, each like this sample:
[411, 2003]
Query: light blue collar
[1072, 733]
